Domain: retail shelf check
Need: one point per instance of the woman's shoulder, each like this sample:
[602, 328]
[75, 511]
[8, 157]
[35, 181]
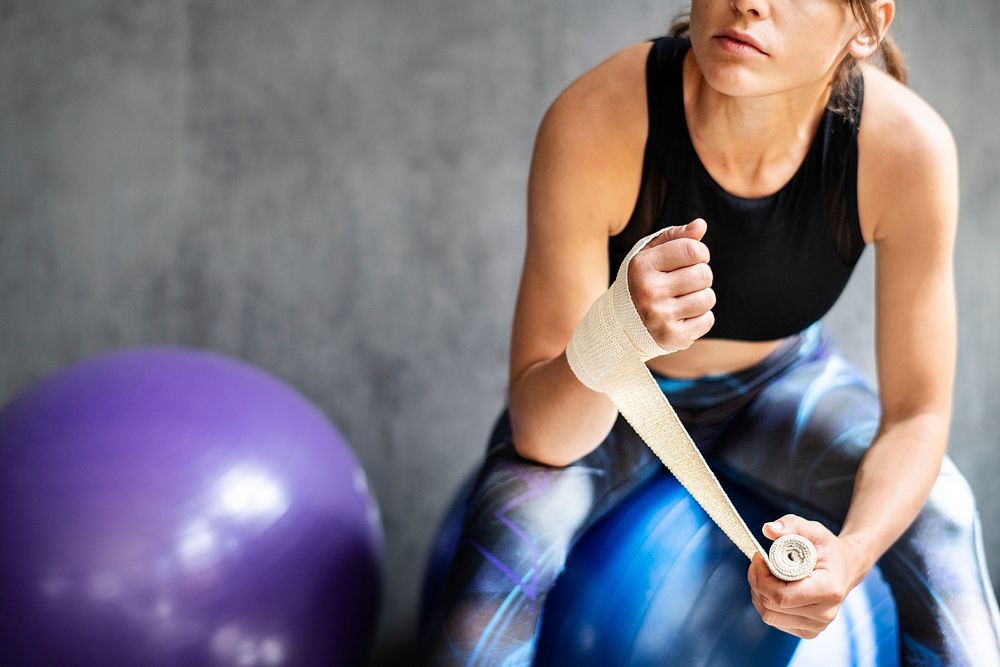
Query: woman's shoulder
[897, 124]
[608, 102]
[904, 145]
[610, 89]
[599, 123]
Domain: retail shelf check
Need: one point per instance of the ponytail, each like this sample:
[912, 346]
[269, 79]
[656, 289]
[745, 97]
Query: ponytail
[892, 59]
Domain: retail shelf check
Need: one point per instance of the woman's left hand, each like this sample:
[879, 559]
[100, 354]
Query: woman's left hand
[805, 607]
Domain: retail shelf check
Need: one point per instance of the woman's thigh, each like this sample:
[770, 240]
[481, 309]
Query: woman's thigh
[800, 443]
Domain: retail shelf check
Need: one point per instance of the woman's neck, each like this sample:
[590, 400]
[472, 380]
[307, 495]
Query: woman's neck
[752, 143]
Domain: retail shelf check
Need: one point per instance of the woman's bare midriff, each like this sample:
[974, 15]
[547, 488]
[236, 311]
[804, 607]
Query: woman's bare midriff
[712, 356]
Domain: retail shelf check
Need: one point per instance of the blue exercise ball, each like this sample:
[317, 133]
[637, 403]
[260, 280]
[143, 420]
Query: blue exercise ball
[656, 582]
[163, 506]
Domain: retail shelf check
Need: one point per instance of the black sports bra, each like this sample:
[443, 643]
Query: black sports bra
[779, 262]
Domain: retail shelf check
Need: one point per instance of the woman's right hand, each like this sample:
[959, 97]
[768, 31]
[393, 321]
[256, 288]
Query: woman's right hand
[670, 284]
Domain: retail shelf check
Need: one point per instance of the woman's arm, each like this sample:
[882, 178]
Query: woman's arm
[583, 180]
[908, 180]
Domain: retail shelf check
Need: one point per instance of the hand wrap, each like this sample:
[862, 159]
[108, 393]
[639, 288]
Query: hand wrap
[607, 352]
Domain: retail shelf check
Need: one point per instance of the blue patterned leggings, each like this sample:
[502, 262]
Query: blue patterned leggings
[794, 427]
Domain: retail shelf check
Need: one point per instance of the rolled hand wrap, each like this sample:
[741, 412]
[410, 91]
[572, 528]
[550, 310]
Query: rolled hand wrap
[607, 353]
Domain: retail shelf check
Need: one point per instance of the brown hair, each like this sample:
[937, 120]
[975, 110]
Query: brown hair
[888, 55]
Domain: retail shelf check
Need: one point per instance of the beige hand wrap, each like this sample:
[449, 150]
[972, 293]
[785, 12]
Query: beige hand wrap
[607, 353]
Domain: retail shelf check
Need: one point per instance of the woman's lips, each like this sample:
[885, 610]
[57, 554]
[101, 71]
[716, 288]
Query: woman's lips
[737, 46]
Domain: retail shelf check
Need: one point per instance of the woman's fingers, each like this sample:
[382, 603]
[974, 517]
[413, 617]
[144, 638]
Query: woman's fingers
[696, 327]
[687, 280]
[670, 286]
[694, 229]
[676, 251]
[693, 304]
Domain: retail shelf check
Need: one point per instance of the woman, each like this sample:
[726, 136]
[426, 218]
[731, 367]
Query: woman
[762, 124]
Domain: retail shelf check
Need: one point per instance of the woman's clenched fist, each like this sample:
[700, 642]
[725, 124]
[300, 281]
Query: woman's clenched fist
[670, 284]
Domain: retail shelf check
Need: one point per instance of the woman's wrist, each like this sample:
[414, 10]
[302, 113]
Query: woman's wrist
[861, 556]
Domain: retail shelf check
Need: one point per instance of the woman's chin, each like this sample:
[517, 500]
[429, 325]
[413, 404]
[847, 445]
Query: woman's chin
[731, 77]
[735, 82]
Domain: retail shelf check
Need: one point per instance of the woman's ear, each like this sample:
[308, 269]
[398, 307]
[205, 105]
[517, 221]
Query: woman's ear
[865, 43]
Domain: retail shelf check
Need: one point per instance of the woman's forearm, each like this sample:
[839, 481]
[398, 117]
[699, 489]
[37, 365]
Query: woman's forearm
[555, 419]
[892, 484]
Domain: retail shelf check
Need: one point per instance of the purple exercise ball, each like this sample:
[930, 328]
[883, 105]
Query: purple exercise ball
[172, 506]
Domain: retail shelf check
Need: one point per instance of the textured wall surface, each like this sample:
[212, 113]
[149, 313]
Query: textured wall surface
[334, 191]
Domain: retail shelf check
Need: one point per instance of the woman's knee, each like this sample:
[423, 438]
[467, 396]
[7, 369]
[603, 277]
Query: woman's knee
[950, 512]
[566, 494]
[518, 499]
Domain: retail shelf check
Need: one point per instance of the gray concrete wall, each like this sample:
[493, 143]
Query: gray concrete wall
[334, 191]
